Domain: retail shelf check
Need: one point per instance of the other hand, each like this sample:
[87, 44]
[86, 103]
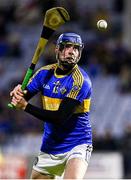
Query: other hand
[17, 97]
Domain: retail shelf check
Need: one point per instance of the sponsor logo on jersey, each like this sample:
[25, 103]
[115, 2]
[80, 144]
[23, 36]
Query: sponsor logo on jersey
[46, 86]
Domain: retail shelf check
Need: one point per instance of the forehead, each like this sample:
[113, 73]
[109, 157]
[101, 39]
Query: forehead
[70, 43]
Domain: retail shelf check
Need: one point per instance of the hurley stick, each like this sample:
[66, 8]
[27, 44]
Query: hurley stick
[54, 18]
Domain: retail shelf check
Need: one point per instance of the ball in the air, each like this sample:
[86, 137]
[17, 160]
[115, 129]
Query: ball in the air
[102, 24]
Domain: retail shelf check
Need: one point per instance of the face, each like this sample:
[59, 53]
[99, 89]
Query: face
[68, 55]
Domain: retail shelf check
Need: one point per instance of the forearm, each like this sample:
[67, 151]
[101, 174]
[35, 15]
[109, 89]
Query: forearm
[60, 116]
[44, 115]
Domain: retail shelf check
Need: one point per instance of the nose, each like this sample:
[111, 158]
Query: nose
[71, 50]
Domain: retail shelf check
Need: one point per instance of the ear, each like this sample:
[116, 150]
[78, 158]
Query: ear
[56, 49]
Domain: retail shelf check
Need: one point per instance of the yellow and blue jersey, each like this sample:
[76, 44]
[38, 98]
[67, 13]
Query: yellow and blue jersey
[54, 88]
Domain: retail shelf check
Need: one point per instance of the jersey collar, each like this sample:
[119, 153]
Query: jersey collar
[61, 76]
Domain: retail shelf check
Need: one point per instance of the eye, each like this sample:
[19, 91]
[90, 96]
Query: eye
[77, 47]
[68, 45]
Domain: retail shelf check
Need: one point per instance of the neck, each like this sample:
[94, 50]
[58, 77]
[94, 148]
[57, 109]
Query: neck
[60, 71]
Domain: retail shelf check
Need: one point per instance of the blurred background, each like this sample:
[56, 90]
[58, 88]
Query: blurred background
[107, 59]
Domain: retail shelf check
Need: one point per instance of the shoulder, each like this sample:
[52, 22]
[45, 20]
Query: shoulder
[81, 77]
[47, 67]
[41, 72]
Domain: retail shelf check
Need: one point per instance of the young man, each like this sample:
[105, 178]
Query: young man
[66, 95]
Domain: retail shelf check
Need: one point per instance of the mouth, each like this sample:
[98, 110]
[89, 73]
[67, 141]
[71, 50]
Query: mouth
[69, 59]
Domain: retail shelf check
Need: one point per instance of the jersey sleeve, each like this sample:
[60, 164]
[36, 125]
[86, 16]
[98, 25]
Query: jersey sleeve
[34, 85]
[82, 91]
